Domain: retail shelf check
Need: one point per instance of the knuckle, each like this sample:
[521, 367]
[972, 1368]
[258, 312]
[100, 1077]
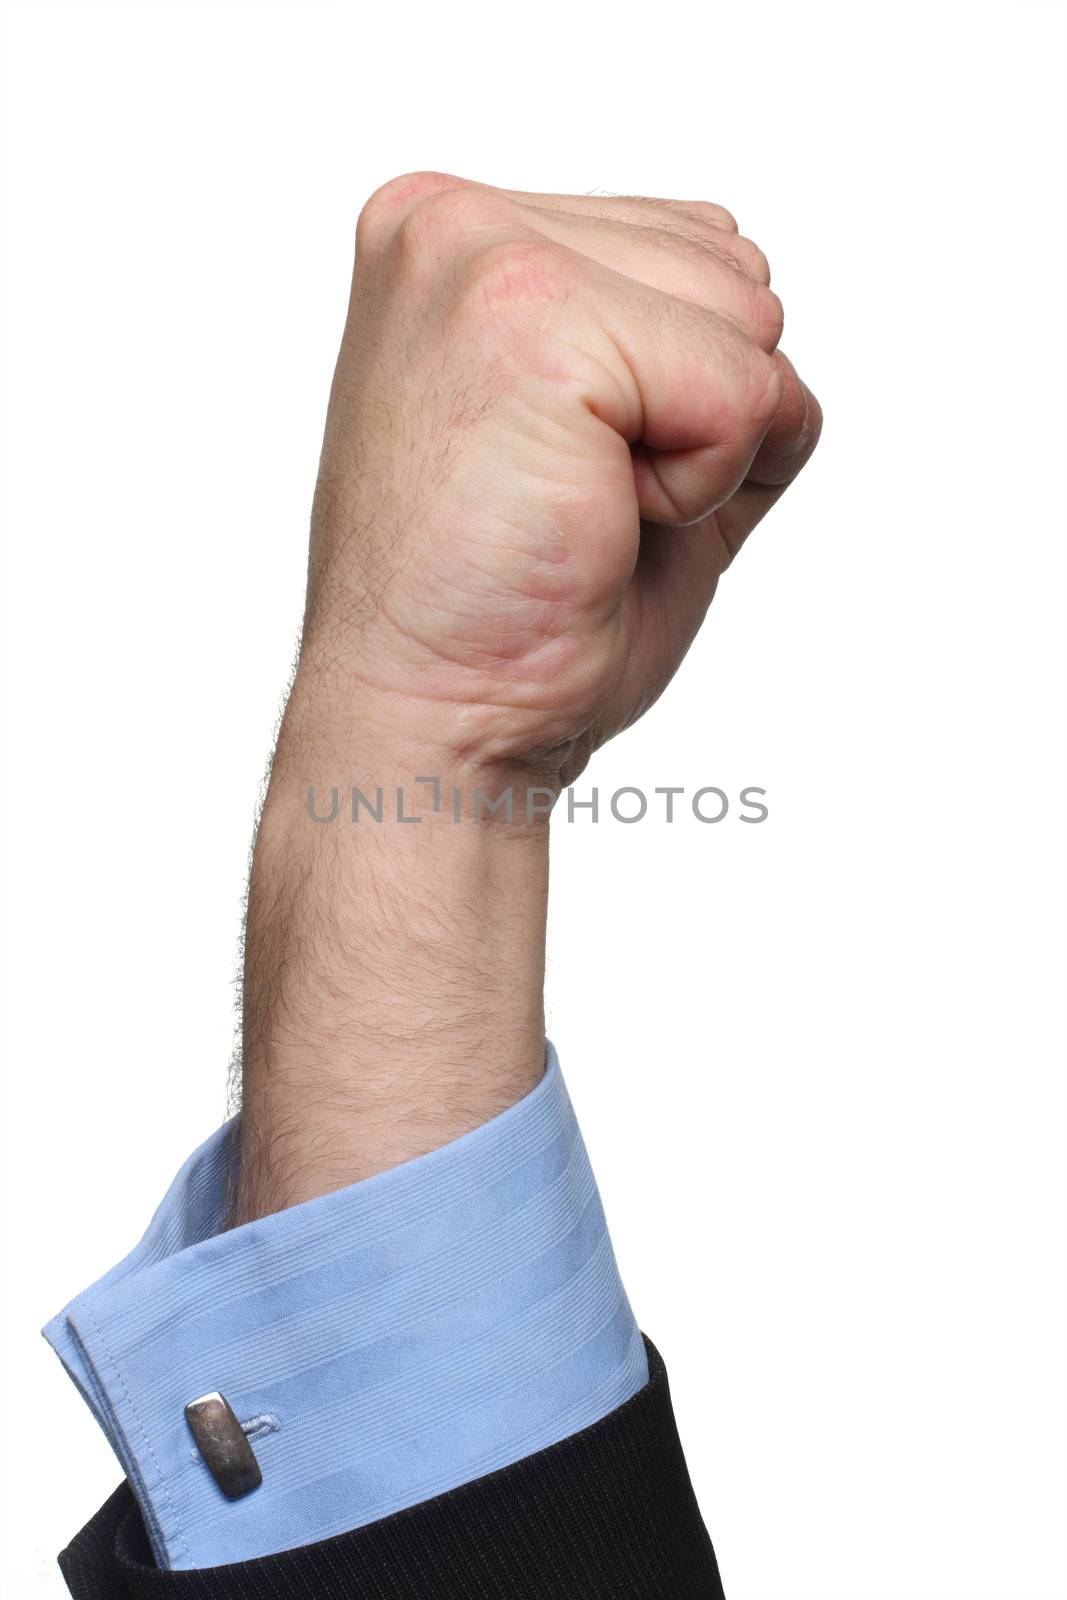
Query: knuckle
[438, 226]
[516, 272]
[758, 394]
[771, 315]
[387, 208]
[712, 215]
[751, 258]
[758, 312]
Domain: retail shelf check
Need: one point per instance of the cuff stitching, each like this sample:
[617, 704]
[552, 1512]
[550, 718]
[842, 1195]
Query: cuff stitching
[179, 1536]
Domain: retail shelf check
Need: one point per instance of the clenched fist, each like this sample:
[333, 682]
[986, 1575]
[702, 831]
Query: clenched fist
[553, 422]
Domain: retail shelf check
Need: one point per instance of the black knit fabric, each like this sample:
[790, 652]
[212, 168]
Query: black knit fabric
[608, 1514]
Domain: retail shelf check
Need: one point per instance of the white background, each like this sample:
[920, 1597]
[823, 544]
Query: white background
[818, 1062]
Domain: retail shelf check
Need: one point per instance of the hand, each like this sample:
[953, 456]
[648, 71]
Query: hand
[554, 421]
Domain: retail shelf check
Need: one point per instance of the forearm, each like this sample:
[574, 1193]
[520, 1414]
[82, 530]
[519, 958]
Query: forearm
[393, 969]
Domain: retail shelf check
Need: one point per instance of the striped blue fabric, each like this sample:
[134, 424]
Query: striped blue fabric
[380, 1345]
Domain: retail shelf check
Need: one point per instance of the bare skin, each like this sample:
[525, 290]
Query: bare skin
[553, 423]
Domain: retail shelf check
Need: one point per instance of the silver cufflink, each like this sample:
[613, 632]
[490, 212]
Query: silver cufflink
[222, 1444]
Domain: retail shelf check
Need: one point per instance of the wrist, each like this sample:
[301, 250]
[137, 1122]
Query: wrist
[378, 757]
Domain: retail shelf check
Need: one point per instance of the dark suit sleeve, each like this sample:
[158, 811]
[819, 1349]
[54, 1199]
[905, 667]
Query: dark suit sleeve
[608, 1514]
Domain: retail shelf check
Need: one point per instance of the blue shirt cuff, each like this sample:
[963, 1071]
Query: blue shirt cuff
[379, 1345]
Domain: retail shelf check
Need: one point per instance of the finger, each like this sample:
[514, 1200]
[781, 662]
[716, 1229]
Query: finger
[793, 434]
[741, 252]
[672, 485]
[692, 396]
[690, 267]
[697, 223]
[633, 208]
[735, 520]
[678, 568]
